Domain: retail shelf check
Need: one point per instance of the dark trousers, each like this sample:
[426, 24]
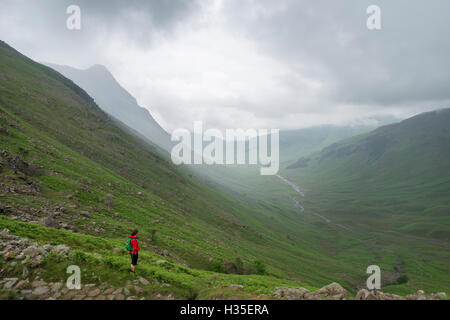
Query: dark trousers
[134, 258]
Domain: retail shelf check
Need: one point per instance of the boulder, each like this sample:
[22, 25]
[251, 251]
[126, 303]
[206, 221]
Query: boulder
[85, 214]
[333, 291]
[5, 233]
[39, 291]
[118, 291]
[61, 249]
[236, 286]
[50, 222]
[94, 293]
[138, 290]
[26, 293]
[365, 294]
[10, 282]
[36, 262]
[33, 251]
[38, 283]
[108, 291]
[290, 293]
[22, 284]
[439, 296]
[20, 256]
[390, 296]
[9, 255]
[143, 281]
[421, 295]
[70, 294]
[56, 286]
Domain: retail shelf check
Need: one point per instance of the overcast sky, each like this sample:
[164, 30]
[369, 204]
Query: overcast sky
[253, 64]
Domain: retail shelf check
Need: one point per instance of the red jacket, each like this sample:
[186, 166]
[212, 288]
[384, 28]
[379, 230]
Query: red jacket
[134, 243]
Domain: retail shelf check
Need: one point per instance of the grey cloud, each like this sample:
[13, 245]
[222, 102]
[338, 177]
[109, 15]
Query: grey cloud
[39, 27]
[406, 61]
[399, 70]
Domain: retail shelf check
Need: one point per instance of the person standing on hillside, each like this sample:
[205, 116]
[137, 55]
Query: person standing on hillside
[133, 246]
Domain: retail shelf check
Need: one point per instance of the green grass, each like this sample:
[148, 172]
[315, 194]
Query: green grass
[113, 267]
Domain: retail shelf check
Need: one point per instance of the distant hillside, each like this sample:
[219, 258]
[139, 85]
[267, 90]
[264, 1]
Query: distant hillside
[398, 170]
[297, 143]
[100, 84]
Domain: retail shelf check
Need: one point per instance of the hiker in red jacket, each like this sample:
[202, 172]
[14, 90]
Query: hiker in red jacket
[134, 253]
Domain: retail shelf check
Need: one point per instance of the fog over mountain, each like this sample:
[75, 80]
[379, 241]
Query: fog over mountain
[100, 84]
[285, 64]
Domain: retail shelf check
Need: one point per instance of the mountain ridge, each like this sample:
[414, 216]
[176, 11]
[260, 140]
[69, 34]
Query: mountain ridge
[100, 83]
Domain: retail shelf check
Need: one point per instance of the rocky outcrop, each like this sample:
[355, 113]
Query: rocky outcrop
[335, 291]
[365, 294]
[290, 293]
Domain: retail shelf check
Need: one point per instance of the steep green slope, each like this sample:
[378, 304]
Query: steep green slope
[394, 178]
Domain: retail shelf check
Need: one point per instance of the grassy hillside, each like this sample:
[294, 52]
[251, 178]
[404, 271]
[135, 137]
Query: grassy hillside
[394, 178]
[297, 143]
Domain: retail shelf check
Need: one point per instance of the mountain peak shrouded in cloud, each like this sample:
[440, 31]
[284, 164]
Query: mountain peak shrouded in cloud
[285, 64]
[100, 84]
[99, 68]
